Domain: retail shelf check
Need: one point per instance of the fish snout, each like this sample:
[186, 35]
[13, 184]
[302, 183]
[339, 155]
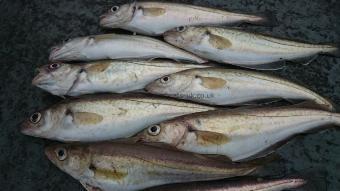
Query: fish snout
[26, 128]
[38, 79]
[150, 88]
[106, 20]
[172, 37]
[50, 154]
[54, 53]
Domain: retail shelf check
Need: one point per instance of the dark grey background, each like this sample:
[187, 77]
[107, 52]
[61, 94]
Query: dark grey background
[29, 27]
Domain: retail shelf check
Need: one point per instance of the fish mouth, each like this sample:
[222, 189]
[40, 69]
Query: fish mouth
[39, 79]
[26, 128]
[150, 88]
[170, 37]
[106, 21]
[50, 154]
[55, 54]
[64, 54]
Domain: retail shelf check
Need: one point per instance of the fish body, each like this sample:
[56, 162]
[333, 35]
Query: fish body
[237, 185]
[240, 134]
[217, 86]
[104, 117]
[246, 49]
[128, 167]
[155, 18]
[108, 76]
[116, 46]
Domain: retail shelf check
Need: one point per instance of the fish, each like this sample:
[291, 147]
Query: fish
[127, 166]
[220, 86]
[239, 134]
[245, 184]
[155, 18]
[104, 117]
[106, 76]
[117, 46]
[245, 49]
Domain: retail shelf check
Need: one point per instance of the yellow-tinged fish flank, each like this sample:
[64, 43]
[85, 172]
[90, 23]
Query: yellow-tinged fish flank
[129, 166]
[104, 117]
[242, 48]
[218, 86]
[108, 76]
[238, 134]
[155, 18]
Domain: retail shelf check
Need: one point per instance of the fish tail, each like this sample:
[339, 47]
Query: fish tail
[266, 19]
[336, 119]
[326, 104]
[334, 50]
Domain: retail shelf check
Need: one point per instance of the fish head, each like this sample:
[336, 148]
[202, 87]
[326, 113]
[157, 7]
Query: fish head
[56, 78]
[184, 36]
[72, 159]
[173, 85]
[170, 132]
[71, 49]
[118, 16]
[45, 123]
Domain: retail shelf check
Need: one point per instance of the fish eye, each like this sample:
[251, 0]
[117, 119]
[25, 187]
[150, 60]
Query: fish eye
[54, 66]
[114, 9]
[35, 117]
[154, 130]
[61, 154]
[165, 79]
[181, 29]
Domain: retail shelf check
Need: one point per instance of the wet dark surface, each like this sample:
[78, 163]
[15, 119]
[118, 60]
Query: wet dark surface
[29, 28]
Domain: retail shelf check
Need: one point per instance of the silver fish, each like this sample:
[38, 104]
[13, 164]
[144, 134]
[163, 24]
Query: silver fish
[155, 18]
[125, 166]
[116, 46]
[236, 185]
[240, 134]
[104, 76]
[238, 47]
[104, 117]
[218, 86]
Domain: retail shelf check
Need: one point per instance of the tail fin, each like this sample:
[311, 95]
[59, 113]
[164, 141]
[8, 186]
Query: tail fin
[334, 51]
[265, 19]
[326, 104]
[336, 119]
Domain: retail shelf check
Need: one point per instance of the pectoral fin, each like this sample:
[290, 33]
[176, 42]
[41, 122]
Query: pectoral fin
[82, 118]
[219, 42]
[153, 12]
[212, 83]
[207, 138]
[98, 67]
